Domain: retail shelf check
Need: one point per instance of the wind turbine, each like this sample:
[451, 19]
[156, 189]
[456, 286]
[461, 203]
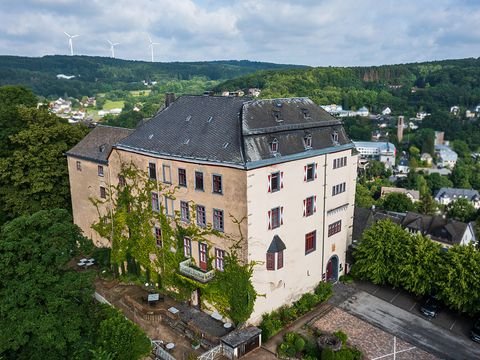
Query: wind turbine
[112, 47]
[70, 42]
[151, 45]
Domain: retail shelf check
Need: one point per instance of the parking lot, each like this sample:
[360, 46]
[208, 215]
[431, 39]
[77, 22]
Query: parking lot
[447, 319]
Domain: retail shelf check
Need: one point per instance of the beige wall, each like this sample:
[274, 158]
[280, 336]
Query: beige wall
[85, 185]
[301, 272]
[232, 202]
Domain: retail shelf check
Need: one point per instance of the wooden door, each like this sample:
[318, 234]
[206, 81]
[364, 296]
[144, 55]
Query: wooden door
[202, 248]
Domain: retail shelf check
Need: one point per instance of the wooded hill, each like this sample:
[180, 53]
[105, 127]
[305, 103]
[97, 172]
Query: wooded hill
[405, 88]
[102, 74]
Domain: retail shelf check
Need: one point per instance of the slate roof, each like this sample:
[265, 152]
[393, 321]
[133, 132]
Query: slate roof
[455, 194]
[240, 336]
[439, 228]
[237, 131]
[276, 245]
[363, 218]
[96, 146]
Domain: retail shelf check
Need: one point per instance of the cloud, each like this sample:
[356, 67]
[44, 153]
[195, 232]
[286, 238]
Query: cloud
[312, 32]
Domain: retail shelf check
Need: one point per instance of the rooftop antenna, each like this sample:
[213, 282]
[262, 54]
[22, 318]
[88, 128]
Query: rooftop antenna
[112, 47]
[151, 45]
[70, 42]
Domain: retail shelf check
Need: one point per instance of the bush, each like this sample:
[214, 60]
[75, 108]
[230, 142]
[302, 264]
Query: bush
[287, 314]
[270, 325]
[341, 336]
[324, 291]
[346, 279]
[102, 256]
[299, 344]
[328, 354]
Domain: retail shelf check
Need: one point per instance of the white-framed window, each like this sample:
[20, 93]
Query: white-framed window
[218, 221]
[217, 184]
[275, 217]
[307, 140]
[152, 171]
[100, 170]
[167, 174]
[158, 235]
[274, 146]
[79, 165]
[309, 206]
[201, 215]
[155, 202]
[169, 210]
[310, 172]
[187, 247]
[219, 259]
[184, 211]
[339, 188]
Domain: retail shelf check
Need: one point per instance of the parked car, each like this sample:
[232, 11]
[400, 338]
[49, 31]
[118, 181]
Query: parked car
[475, 332]
[430, 307]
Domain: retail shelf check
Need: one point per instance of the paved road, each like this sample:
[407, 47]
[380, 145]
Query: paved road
[410, 327]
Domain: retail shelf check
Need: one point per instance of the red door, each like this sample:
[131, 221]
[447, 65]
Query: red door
[202, 248]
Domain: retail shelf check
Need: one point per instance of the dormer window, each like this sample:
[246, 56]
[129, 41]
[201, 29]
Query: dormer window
[101, 148]
[308, 141]
[335, 137]
[276, 115]
[306, 113]
[274, 146]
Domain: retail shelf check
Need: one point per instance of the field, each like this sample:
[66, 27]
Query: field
[136, 93]
[109, 105]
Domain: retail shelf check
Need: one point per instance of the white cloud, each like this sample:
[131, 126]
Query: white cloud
[327, 32]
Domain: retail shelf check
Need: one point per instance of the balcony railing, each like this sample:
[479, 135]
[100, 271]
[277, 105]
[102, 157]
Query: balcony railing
[199, 275]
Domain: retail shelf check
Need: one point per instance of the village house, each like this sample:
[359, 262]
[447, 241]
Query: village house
[285, 166]
[381, 151]
[446, 157]
[445, 196]
[413, 195]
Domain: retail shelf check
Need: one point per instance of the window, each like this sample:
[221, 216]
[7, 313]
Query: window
[310, 242]
[217, 184]
[339, 162]
[309, 206]
[152, 171]
[309, 172]
[335, 137]
[198, 180]
[103, 192]
[187, 247]
[308, 141]
[182, 177]
[79, 166]
[121, 180]
[155, 202]
[270, 261]
[201, 216]
[334, 228]
[275, 182]
[184, 211]
[339, 188]
[169, 210]
[158, 235]
[280, 260]
[218, 219]
[275, 217]
[167, 174]
[100, 170]
[219, 259]
[274, 146]
[277, 116]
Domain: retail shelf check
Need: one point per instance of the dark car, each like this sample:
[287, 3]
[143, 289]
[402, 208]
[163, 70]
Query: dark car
[475, 332]
[430, 307]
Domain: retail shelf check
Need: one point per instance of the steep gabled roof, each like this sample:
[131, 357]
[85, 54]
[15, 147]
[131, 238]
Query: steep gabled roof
[96, 146]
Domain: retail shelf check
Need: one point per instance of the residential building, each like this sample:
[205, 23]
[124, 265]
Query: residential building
[445, 196]
[403, 166]
[363, 111]
[439, 138]
[444, 231]
[454, 109]
[446, 157]
[381, 151]
[426, 158]
[413, 195]
[386, 111]
[285, 166]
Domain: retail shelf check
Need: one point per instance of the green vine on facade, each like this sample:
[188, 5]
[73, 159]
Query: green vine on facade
[127, 219]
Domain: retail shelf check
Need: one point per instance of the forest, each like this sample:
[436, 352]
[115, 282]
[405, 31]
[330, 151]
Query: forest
[101, 74]
[405, 88]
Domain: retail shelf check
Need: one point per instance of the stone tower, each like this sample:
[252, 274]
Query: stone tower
[400, 129]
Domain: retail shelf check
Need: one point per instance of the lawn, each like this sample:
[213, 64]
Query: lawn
[145, 92]
[109, 105]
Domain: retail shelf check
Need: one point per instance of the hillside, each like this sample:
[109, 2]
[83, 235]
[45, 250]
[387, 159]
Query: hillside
[100, 74]
[406, 88]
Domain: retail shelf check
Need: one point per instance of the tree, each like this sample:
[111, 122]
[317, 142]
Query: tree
[34, 175]
[420, 272]
[383, 249]
[44, 305]
[376, 169]
[363, 197]
[459, 283]
[427, 205]
[461, 210]
[398, 202]
[435, 182]
[122, 338]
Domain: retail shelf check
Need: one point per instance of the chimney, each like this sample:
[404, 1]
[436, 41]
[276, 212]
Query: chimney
[169, 98]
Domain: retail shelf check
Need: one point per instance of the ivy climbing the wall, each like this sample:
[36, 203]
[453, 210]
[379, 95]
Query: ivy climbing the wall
[128, 217]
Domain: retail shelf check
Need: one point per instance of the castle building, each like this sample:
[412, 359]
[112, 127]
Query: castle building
[285, 166]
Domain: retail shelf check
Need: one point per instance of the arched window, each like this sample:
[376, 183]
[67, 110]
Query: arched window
[274, 146]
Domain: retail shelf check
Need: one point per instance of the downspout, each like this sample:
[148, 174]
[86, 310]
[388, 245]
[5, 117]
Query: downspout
[324, 212]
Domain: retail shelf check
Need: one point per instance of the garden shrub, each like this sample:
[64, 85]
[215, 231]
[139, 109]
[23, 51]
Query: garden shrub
[324, 291]
[328, 354]
[341, 336]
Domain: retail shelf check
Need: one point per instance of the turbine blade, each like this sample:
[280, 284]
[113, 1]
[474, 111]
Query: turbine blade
[109, 42]
[74, 36]
[67, 34]
[149, 38]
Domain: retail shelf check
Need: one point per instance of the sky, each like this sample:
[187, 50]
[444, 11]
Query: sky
[308, 32]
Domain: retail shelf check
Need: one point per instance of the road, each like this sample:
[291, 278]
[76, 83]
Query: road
[411, 327]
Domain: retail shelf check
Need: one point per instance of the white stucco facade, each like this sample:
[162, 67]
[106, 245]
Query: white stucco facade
[301, 271]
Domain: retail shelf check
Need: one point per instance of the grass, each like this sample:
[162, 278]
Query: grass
[109, 105]
[145, 92]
